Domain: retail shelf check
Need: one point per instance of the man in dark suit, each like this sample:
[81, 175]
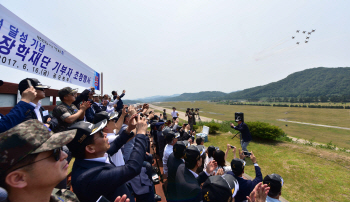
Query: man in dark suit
[93, 174]
[39, 112]
[175, 159]
[19, 112]
[187, 180]
[245, 186]
[245, 134]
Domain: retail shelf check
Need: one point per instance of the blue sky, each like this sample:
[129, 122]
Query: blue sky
[171, 47]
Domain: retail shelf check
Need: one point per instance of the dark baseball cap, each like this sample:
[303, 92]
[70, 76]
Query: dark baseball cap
[85, 130]
[220, 188]
[179, 149]
[237, 166]
[65, 91]
[105, 115]
[23, 85]
[192, 154]
[275, 182]
[29, 137]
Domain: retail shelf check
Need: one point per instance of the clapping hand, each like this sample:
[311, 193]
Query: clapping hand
[211, 166]
[259, 193]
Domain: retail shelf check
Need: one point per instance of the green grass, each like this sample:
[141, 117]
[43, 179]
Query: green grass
[307, 177]
[333, 117]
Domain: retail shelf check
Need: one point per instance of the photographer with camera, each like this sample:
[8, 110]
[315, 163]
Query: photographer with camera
[191, 119]
[245, 134]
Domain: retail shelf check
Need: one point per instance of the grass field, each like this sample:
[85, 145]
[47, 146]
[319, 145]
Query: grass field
[333, 117]
[309, 174]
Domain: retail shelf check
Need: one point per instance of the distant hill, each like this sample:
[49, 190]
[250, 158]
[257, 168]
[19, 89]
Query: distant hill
[204, 95]
[314, 82]
[156, 98]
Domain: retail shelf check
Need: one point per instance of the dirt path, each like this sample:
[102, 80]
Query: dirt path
[313, 124]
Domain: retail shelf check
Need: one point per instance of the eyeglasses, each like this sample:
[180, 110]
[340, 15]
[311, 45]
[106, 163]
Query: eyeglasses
[56, 155]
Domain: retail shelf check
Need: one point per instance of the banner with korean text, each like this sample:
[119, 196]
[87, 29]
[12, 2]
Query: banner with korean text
[24, 48]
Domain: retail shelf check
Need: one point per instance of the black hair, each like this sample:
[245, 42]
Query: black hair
[211, 151]
[219, 157]
[199, 140]
[190, 164]
[273, 195]
[80, 152]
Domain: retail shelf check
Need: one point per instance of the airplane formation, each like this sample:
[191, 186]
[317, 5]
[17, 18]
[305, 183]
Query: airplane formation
[307, 38]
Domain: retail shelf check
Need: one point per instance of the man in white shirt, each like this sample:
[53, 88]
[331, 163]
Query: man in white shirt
[275, 182]
[174, 114]
[170, 139]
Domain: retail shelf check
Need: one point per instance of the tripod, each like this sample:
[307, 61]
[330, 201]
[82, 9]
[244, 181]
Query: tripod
[239, 134]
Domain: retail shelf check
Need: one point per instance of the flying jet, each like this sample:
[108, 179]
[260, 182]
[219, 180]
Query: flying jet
[298, 43]
[304, 32]
[307, 37]
[313, 30]
[306, 41]
[293, 37]
[298, 31]
[309, 33]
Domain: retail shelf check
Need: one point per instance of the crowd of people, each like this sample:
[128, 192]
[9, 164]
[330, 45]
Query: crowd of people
[111, 146]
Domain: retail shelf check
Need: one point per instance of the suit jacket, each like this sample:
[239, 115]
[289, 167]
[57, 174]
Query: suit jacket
[15, 116]
[141, 183]
[246, 186]
[32, 115]
[91, 179]
[243, 128]
[187, 185]
[173, 164]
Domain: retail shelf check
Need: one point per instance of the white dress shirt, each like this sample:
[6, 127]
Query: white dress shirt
[117, 158]
[167, 151]
[174, 114]
[36, 110]
[103, 159]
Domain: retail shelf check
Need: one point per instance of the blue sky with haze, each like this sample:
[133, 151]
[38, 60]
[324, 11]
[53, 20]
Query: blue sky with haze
[171, 47]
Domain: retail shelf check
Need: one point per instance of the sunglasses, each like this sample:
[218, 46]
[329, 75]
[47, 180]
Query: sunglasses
[56, 155]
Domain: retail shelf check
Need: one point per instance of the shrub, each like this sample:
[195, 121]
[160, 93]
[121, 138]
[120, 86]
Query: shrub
[213, 127]
[265, 130]
[195, 127]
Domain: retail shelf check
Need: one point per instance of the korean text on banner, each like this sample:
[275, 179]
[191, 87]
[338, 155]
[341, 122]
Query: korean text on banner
[24, 48]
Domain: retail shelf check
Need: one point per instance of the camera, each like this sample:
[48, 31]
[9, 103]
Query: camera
[233, 147]
[247, 153]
